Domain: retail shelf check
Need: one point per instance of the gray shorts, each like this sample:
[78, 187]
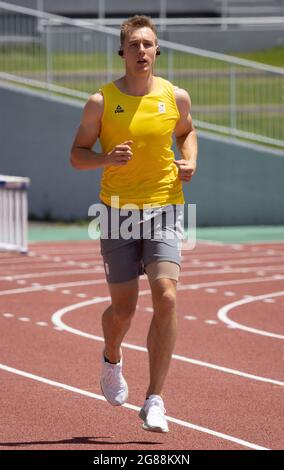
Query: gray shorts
[155, 235]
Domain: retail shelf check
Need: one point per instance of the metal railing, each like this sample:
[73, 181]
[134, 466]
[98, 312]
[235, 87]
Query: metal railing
[233, 96]
[240, 21]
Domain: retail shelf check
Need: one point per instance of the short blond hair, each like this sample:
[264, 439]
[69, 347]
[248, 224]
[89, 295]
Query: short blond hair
[135, 22]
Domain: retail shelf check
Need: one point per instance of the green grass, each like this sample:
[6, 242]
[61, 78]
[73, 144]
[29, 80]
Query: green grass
[274, 56]
[33, 58]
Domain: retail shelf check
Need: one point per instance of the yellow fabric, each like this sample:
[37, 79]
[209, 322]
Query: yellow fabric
[150, 177]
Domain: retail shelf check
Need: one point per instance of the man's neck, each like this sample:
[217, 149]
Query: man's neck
[137, 86]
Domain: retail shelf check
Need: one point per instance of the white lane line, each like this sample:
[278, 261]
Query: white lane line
[229, 255]
[231, 282]
[57, 320]
[66, 252]
[190, 317]
[24, 319]
[241, 261]
[86, 393]
[40, 263]
[8, 315]
[226, 270]
[94, 270]
[52, 287]
[223, 314]
[211, 322]
[102, 281]
[210, 290]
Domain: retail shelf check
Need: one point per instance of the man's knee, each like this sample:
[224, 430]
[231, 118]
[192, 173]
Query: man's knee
[124, 311]
[164, 296]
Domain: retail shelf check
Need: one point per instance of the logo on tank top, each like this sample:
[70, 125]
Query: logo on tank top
[161, 107]
[119, 109]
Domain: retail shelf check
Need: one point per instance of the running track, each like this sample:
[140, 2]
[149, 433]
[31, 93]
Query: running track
[225, 385]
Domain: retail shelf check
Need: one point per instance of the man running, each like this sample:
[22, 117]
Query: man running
[135, 118]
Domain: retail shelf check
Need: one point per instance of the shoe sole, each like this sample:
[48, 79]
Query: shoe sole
[159, 429]
[154, 429]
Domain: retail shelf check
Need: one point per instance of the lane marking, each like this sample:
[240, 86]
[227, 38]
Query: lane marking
[41, 323]
[51, 287]
[57, 320]
[86, 393]
[239, 261]
[102, 281]
[223, 314]
[228, 283]
[100, 269]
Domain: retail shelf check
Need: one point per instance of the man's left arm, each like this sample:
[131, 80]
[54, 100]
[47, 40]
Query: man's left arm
[186, 138]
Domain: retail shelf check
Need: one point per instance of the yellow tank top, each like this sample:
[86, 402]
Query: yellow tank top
[150, 177]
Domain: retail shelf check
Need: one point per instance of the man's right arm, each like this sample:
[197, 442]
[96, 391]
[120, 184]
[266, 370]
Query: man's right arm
[82, 156]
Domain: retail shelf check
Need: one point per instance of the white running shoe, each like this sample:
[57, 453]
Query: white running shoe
[113, 384]
[153, 415]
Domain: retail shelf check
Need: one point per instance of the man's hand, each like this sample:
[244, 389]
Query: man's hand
[186, 169]
[120, 155]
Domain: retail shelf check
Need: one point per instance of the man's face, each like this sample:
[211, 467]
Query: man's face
[139, 51]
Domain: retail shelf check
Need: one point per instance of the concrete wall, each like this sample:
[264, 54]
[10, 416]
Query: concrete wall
[235, 183]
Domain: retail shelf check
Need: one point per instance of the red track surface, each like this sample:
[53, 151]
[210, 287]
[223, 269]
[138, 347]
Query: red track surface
[225, 385]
